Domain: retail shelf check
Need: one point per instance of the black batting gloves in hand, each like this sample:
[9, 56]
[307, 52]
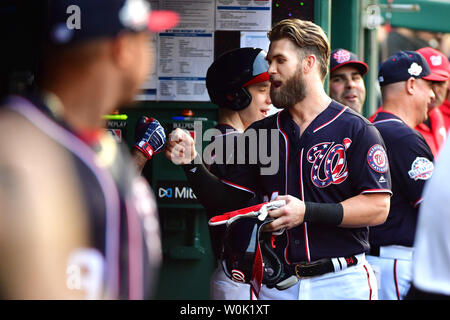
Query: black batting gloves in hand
[149, 136]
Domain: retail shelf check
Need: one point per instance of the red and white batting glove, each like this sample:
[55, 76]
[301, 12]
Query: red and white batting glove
[149, 136]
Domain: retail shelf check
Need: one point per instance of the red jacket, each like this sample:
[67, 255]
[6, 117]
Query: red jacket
[434, 136]
[445, 109]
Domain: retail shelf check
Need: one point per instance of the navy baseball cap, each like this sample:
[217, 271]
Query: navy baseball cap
[401, 66]
[71, 21]
[342, 57]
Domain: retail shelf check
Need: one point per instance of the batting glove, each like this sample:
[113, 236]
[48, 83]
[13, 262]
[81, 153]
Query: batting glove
[149, 136]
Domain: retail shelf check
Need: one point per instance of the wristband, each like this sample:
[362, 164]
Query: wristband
[145, 148]
[326, 213]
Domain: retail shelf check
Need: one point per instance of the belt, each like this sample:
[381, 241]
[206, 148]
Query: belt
[392, 252]
[322, 266]
[374, 251]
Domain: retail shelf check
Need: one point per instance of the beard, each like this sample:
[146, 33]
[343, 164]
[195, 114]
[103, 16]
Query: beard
[293, 91]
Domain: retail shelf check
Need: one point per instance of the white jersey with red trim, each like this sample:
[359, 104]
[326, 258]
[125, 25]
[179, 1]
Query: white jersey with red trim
[338, 156]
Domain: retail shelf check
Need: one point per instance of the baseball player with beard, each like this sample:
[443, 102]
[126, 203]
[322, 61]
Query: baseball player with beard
[333, 173]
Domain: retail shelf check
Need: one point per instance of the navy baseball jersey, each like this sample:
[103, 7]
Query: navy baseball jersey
[411, 162]
[124, 252]
[339, 155]
[230, 134]
[227, 140]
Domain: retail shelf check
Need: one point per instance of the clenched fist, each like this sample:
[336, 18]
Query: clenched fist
[180, 147]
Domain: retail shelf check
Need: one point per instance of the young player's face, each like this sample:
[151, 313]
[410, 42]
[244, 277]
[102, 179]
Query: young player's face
[260, 104]
[286, 77]
[347, 87]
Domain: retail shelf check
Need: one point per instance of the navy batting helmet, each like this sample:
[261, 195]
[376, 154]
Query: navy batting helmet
[250, 255]
[230, 74]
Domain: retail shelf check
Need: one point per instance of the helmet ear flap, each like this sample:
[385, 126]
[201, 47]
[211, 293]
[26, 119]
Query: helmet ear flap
[237, 99]
[273, 268]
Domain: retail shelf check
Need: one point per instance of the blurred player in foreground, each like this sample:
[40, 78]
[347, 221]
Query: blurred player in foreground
[76, 219]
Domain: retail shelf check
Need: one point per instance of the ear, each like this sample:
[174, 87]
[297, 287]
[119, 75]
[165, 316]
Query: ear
[230, 96]
[308, 63]
[410, 85]
[121, 51]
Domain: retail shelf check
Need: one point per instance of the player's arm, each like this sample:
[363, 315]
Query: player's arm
[149, 139]
[212, 193]
[368, 163]
[359, 211]
[366, 210]
[139, 159]
[416, 168]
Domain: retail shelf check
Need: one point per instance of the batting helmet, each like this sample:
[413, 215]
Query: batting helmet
[229, 75]
[250, 255]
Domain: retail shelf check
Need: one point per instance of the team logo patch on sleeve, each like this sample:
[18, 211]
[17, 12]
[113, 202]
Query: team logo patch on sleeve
[421, 168]
[377, 158]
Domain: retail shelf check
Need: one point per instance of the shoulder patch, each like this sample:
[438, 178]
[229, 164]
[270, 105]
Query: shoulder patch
[421, 168]
[377, 158]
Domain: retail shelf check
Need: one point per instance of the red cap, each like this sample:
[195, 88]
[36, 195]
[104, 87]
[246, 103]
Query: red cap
[438, 62]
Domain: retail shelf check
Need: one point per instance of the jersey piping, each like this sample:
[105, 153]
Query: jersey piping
[86, 155]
